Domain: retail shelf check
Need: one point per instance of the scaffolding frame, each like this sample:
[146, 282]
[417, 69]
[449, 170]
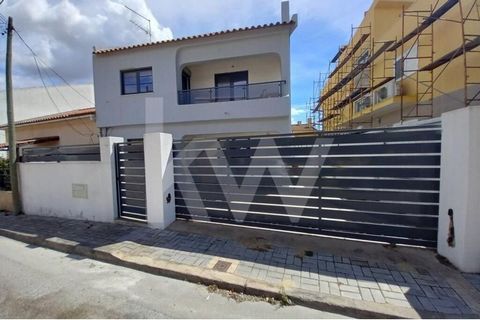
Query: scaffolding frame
[470, 43]
[423, 36]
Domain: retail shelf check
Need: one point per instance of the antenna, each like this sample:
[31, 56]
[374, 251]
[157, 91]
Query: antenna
[147, 31]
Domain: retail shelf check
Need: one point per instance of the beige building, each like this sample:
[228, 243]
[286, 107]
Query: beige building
[60, 115]
[76, 127]
[408, 60]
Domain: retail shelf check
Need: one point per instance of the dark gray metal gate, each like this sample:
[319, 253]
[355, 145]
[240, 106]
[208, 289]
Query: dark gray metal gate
[130, 170]
[377, 184]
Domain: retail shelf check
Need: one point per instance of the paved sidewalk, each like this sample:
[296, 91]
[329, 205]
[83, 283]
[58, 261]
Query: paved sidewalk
[365, 280]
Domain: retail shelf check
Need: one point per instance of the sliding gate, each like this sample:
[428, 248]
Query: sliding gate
[377, 184]
[130, 170]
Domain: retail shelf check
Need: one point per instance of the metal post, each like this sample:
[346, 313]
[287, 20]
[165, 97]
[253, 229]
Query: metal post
[12, 144]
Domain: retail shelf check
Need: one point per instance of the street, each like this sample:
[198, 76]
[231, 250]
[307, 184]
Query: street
[40, 283]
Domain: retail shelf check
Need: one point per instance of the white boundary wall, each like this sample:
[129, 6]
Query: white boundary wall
[83, 190]
[460, 188]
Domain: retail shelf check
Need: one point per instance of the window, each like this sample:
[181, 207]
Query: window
[407, 65]
[137, 81]
[231, 86]
[363, 58]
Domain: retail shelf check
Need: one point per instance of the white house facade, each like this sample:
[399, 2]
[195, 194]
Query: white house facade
[232, 82]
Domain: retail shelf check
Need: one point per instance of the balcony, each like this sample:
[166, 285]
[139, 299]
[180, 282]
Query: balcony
[262, 90]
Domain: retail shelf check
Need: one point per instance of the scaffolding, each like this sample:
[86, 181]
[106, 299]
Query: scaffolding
[410, 58]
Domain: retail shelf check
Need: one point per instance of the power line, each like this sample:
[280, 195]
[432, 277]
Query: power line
[53, 101]
[51, 69]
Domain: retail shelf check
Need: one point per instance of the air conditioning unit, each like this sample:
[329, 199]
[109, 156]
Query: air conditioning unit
[363, 103]
[386, 91]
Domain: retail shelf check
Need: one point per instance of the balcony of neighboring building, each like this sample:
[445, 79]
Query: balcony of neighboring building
[234, 79]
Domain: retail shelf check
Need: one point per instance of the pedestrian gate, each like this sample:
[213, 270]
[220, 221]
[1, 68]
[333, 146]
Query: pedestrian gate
[377, 184]
[130, 171]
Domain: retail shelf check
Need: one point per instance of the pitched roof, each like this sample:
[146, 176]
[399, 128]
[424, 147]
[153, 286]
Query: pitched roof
[57, 116]
[31, 141]
[205, 35]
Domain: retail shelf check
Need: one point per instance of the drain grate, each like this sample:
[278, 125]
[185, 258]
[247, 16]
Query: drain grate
[222, 266]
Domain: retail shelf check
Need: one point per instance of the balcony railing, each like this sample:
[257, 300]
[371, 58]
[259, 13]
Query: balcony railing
[232, 93]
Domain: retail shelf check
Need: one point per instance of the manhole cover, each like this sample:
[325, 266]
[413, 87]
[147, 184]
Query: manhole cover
[222, 266]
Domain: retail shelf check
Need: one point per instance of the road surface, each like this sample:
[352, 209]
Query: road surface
[41, 283]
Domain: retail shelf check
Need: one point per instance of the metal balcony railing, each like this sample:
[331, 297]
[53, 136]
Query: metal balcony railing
[232, 93]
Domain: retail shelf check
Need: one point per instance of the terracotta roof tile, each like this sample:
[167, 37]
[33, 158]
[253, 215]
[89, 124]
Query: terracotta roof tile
[212, 34]
[55, 116]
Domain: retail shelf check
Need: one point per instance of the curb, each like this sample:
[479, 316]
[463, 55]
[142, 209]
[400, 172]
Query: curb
[227, 281]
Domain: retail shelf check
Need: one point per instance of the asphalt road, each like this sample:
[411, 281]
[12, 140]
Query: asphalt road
[42, 283]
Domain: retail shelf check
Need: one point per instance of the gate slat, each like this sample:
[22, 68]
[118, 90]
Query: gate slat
[405, 184]
[376, 206]
[381, 195]
[382, 172]
[381, 218]
[260, 190]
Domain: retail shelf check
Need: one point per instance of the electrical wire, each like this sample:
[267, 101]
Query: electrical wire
[37, 60]
[51, 69]
[53, 101]
[66, 101]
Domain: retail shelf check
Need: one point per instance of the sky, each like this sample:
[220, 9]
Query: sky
[63, 33]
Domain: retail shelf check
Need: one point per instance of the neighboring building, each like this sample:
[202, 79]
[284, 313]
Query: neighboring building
[408, 60]
[76, 127]
[304, 128]
[59, 115]
[232, 82]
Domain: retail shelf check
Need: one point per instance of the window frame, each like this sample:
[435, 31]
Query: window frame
[137, 78]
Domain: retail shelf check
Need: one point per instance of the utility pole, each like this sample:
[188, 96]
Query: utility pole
[12, 143]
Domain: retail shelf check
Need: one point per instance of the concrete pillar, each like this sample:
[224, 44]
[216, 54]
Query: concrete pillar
[460, 188]
[107, 158]
[159, 179]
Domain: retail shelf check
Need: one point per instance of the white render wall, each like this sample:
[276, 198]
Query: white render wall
[117, 113]
[460, 188]
[47, 187]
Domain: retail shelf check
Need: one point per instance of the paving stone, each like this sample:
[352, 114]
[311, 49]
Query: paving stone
[408, 277]
[342, 278]
[367, 272]
[309, 281]
[429, 292]
[377, 296]
[400, 303]
[372, 284]
[331, 277]
[427, 304]
[448, 310]
[383, 286]
[349, 288]
[273, 274]
[309, 287]
[380, 270]
[393, 295]
[334, 288]
[352, 282]
[330, 267]
[325, 258]
[366, 294]
[322, 265]
[324, 287]
[395, 288]
[351, 295]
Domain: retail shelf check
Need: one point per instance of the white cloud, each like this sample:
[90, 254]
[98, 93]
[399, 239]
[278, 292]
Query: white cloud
[63, 33]
[296, 111]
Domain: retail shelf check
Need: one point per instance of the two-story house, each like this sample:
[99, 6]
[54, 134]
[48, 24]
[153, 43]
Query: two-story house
[232, 82]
